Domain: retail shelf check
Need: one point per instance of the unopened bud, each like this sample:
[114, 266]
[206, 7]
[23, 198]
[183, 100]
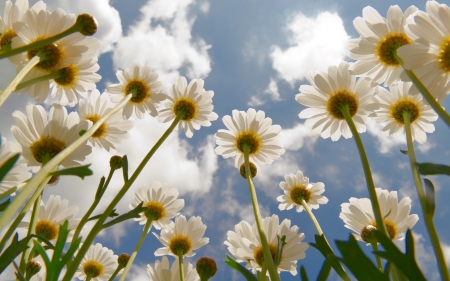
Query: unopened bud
[53, 180]
[32, 268]
[253, 170]
[87, 23]
[115, 162]
[206, 268]
[368, 234]
[123, 259]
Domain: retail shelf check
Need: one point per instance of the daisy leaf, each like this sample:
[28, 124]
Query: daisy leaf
[19, 276]
[303, 274]
[430, 197]
[15, 249]
[239, 268]
[125, 168]
[7, 166]
[323, 247]
[433, 169]
[79, 171]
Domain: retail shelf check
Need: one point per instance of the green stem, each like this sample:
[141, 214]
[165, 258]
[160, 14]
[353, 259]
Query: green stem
[180, 264]
[99, 225]
[393, 271]
[53, 75]
[147, 226]
[118, 269]
[273, 273]
[88, 278]
[367, 172]
[374, 244]
[8, 192]
[429, 223]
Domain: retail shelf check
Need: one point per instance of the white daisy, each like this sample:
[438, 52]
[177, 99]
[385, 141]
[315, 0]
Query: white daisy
[193, 101]
[182, 237]
[114, 130]
[42, 136]
[379, 40]
[358, 215]
[298, 188]
[389, 108]
[140, 81]
[250, 129]
[52, 215]
[163, 272]
[429, 58]
[99, 263]
[162, 201]
[328, 94]
[19, 172]
[245, 245]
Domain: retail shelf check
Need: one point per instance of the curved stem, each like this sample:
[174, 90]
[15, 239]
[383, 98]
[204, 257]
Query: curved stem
[33, 81]
[180, 265]
[374, 245]
[118, 269]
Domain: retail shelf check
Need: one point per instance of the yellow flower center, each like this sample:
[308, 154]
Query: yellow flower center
[391, 228]
[187, 107]
[250, 139]
[93, 268]
[155, 210]
[139, 89]
[5, 38]
[51, 55]
[180, 244]
[68, 76]
[47, 229]
[387, 48]
[339, 100]
[444, 55]
[100, 131]
[299, 193]
[46, 148]
[406, 104]
[258, 253]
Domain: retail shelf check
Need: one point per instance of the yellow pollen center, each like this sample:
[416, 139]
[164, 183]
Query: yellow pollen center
[387, 48]
[396, 110]
[340, 100]
[155, 211]
[93, 268]
[47, 229]
[51, 55]
[390, 226]
[249, 138]
[180, 244]
[100, 131]
[187, 107]
[139, 89]
[258, 253]
[68, 76]
[299, 193]
[5, 38]
[444, 55]
[46, 148]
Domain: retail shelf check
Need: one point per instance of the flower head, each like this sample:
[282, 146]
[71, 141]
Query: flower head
[252, 130]
[18, 173]
[192, 102]
[163, 272]
[99, 264]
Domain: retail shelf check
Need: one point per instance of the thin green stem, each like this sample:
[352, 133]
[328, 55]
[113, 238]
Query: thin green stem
[53, 75]
[118, 269]
[147, 226]
[429, 223]
[8, 192]
[393, 271]
[273, 273]
[88, 278]
[180, 264]
[374, 244]
[99, 225]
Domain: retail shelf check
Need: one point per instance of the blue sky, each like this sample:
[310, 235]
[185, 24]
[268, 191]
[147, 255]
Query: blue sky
[251, 54]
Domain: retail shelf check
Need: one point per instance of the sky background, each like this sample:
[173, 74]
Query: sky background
[251, 54]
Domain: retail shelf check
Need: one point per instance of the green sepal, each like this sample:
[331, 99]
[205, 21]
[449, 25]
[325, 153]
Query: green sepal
[111, 215]
[13, 251]
[430, 197]
[433, 169]
[79, 171]
[239, 268]
[4, 204]
[323, 247]
[125, 168]
[8, 165]
[303, 275]
[280, 245]
[128, 215]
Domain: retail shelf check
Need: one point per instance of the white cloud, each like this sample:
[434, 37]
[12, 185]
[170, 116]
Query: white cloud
[271, 91]
[446, 249]
[296, 137]
[316, 43]
[255, 101]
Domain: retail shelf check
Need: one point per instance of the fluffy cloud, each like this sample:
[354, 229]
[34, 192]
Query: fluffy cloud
[271, 91]
[296, 137]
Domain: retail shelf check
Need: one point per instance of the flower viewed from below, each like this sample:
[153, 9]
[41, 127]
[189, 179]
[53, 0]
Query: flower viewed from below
[379, 40]
[52, 215]
[245, 245]
[98, 264]
[193, 102]
[18, 173]
[42, 137]
[143, 84]
[298, 188]
[114, 130]
[249, 129]
[182, 237]
[358, 215]
[162, 201]
[329, 94]
[388, 110]
[429, 58]
[163, 272]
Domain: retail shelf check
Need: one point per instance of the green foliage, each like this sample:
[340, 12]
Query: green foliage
[79, 171]
[5, 204]
[111, 215]
[19, 276]
[404, 151]
[129, 215]
[15, 249]
[430, 197]
[323, 247]
[239, 268]
[280, 245]
[7, 166]
[303, 275]
[125, 168]
[433, 169]
[100, 189]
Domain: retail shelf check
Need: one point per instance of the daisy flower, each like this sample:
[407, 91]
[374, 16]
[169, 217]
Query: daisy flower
[162, 203]
[42, 136]
[143, 84]
[182, 237]
[163, 272]
[250, 129]
[193, 101]
[358, 215]
[429, 58]
[98, 264]
[52, 215]
[19, 173]
[330, 92]
[377, 45]
[110, 133]
[298, 188]
[245, 245]
[388, 110]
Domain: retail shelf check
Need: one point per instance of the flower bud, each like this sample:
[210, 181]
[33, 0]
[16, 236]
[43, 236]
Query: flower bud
[115, 162]
[253, 170]
[53, 180]
[87, 23]
[206, 268]
[368, 234]
[32, 268]
[123, 259]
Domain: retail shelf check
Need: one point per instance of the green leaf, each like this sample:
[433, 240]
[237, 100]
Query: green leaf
[129, 215]
[99, 192]
[323, 247]
[430, 197]
[4, 204]
[38, 248]
[358, 263]
[280, 245]
[404, 262]
[125, 168]
[303, 274]
[239, 268]
[15, 249]
[79, 171]
[325, 270]
[404, 151]
[19, 276]
[7, 166]
[111, 215]
[433, 169]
